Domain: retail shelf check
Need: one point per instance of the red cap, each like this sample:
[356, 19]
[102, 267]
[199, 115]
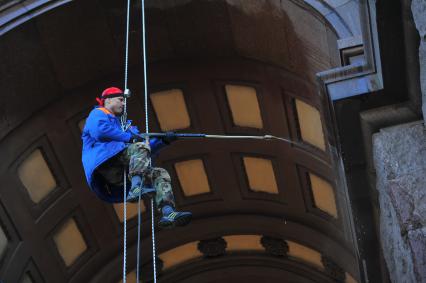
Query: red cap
[109, 93]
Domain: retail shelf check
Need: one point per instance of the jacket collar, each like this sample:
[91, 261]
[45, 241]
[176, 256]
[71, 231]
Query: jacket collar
[106, 111]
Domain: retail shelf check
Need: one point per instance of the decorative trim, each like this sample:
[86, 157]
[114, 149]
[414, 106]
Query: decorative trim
[212, 247]
[146, 270]
[226, 113]
[332, 17]
[294, 126]
[309, 198]
[73, 125]
[275, 246]
[243, 178]
[55, 167]
[33, 272]
[18, 12]
[280, 267]
[13, 239]
[193, 118]
[179, 194]
[332, 269]
[86, 232]
[358, 78]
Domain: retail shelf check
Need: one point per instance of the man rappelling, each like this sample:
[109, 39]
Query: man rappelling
[108, 149]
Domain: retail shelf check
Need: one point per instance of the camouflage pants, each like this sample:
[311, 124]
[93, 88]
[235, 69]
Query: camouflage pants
[136, 157]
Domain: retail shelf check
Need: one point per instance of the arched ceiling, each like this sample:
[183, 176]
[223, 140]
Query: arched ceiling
[342, 15]
[91, 33]
[207, 55]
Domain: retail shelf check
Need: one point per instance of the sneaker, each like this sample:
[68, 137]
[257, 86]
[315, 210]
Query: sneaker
[175, 218]
[146, 193]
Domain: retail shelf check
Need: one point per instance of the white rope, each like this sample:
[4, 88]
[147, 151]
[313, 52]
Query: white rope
[126, 60]
[123, 126]
[145, 80]
[125, 227]
[154, 262]
[139, 239]
[126, 66]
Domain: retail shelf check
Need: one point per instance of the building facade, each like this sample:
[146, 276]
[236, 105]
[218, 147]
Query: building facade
[344, 80]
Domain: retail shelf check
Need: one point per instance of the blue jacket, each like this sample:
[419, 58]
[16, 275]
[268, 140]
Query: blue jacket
[103, 138]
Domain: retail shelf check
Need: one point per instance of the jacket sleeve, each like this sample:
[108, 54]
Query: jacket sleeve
[133, 129]
[102, 128]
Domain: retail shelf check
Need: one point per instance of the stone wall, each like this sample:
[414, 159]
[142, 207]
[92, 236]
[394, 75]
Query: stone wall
[400, 161]
[418, 8]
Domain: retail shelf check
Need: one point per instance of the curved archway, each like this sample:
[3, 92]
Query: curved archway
[14, 14]
[237, 266]
[209, 66]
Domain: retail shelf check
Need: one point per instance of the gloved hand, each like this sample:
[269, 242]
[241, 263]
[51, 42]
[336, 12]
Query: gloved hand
[136, 138]
[169, 137]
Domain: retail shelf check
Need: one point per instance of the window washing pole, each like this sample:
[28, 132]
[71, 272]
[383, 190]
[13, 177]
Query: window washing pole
[190, 135]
